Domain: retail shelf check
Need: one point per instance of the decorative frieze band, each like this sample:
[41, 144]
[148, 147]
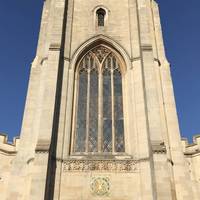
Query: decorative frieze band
[100, 165]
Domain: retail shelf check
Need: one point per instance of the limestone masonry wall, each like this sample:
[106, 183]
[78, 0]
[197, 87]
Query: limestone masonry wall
[191, 149]
[192, 155]
[8, 152]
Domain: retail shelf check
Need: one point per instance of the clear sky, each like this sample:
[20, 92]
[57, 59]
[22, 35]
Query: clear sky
[19, 27]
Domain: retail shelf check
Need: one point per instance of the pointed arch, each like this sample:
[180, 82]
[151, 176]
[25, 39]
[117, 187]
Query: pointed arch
[104, 40]
[98, 106]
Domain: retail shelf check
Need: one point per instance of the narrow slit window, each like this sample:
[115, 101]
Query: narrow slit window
[101, 17]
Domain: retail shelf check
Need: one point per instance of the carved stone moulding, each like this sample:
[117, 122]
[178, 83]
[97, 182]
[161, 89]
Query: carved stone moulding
[100, 166]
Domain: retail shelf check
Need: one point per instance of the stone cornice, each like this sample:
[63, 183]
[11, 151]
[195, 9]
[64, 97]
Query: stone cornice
[7, 152]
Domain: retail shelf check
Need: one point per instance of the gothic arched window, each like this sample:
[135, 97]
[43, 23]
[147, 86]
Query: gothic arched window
[101, 16]
[99, 120]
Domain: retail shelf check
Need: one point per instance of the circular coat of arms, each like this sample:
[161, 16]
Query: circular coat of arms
[100, 186]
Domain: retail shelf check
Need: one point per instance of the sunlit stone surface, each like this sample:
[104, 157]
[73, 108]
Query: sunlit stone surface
[100, 120]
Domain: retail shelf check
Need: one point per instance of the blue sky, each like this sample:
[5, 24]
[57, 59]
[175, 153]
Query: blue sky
[18, 39]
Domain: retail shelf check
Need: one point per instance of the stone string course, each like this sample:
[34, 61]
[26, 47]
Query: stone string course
[12, 147]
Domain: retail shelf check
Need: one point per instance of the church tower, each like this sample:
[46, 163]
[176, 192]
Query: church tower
[100, 120]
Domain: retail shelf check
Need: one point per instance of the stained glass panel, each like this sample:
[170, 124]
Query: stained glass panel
[93, 112]
[107, 112]
[81, 113]
[118, 112]
[99, 122]
[119, 135]
[107, 135]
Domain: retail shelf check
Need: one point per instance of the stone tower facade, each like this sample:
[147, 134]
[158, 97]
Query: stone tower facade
[100, 119]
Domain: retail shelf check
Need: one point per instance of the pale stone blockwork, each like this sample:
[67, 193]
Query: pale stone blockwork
[155, 165]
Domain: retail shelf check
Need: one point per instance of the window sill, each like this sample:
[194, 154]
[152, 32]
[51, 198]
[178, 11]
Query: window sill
[100, 156]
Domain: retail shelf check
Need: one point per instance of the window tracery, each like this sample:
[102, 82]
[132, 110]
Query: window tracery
[99, 121]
